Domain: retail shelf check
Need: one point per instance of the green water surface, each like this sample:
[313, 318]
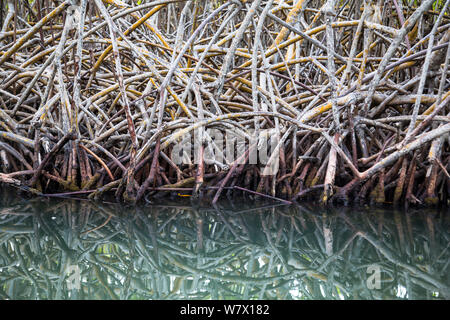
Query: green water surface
[73, 249]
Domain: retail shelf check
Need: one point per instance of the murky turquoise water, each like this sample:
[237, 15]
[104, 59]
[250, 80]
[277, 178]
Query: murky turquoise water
[69, 249]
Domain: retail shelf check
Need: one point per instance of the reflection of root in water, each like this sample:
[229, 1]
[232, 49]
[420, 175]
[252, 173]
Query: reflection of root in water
[175, 251]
